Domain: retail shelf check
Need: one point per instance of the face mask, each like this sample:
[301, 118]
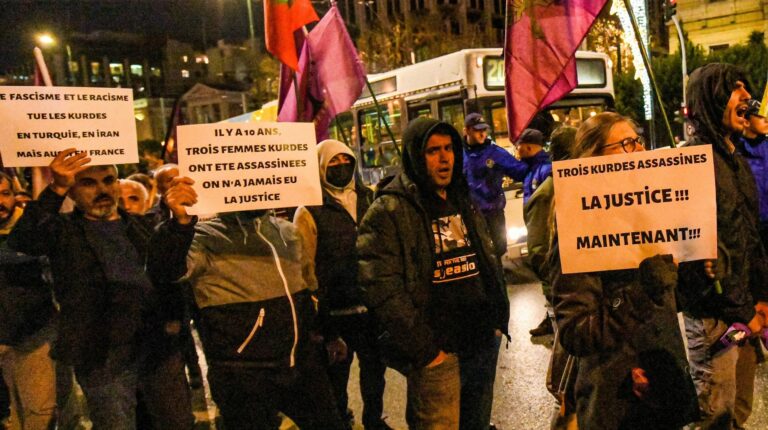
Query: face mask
[340, 174]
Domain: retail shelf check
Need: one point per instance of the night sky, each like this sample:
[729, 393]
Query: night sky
[189, 21]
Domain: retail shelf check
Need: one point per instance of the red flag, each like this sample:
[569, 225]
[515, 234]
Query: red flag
[281, 19]
[539, 54]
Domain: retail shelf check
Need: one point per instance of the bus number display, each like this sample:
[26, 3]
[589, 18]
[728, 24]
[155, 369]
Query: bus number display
[493, 73]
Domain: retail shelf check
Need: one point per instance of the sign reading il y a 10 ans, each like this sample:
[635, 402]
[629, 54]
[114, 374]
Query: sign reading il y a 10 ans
[36, 123]
[614, 211]
[250, 166]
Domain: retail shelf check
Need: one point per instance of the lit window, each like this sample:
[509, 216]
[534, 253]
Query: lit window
[116, 69]
[137, 69]
[184, 58]
[155, 72]
[184, 73]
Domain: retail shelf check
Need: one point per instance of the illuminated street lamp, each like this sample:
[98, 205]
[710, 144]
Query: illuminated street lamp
[45, 40]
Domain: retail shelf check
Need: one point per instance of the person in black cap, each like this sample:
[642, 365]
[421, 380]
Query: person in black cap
[753, 145]
[485, 165]
[530, 149]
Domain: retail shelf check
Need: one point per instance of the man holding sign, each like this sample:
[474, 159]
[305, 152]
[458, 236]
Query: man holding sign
[252, 282]
[107, 316]
[732, 291]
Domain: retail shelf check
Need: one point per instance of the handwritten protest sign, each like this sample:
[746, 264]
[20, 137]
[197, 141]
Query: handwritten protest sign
[614, 211]
[250, 166]
[36, 123]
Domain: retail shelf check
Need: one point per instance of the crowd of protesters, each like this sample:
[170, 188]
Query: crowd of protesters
[101, 291]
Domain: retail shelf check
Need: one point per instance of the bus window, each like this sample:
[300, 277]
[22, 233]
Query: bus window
[419, 111]
[376, 145]
[452, 112]
[499, 131]
[345, 133]
[574, 116]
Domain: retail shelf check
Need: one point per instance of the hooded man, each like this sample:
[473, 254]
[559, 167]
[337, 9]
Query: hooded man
[732, 289]
[753, 145]
[433, 284]
[330, 232]
[485, 166]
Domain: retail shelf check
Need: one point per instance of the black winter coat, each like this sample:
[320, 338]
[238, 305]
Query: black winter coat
[396, 259]
[26, 300]
[610, 321]
[95, 317]
[741, 259]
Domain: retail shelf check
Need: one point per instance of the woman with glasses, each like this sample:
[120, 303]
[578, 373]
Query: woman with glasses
[622, 324]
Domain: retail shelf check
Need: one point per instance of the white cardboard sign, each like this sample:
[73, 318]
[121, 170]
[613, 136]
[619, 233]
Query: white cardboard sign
[250, 166]
[36, 123]
[614, 211]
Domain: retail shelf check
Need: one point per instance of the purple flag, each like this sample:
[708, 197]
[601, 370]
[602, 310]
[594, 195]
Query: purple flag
[288, 102]
[340, 73]
[330, 76]
[539, 54]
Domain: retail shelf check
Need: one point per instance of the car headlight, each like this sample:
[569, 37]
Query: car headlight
[515, 233]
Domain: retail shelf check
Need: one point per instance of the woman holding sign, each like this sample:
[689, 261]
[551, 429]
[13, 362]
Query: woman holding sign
[622, 324]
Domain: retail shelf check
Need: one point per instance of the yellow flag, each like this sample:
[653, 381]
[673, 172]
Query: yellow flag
[764, 103]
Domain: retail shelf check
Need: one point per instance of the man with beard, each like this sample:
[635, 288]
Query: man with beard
[26, 326]
[108, 310]
[717, 294]
[432, 283]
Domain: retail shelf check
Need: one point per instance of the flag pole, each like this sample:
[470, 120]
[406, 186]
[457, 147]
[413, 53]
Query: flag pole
[380, 118]
[38, 177]
[647, 62]
[341, 131]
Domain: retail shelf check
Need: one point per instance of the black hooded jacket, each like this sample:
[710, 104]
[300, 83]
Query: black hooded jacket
[741, 258]
[396, 254]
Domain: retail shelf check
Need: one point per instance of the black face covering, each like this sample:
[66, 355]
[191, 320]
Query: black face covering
[340, 174]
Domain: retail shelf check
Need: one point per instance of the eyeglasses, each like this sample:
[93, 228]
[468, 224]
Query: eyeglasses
[628, 145]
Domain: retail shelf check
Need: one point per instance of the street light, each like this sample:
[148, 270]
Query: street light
[45, 40]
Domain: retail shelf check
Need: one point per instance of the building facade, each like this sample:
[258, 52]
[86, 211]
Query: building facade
[718, 24]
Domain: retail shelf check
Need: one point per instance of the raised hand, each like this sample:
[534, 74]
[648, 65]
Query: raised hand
[179, 196]
[65, 167]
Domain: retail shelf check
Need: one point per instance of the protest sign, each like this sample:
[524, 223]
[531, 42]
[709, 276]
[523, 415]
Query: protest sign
[36, 123]
[249, 166]
[614, 211]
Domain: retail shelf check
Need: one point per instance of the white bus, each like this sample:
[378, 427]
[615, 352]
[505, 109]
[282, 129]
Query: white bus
[448, 88]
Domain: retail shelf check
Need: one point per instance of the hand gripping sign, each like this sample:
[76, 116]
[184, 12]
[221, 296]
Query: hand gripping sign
[614, 211]
[36, 123]
[250, 166]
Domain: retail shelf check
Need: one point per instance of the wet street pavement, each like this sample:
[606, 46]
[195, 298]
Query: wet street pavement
[521, 400]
